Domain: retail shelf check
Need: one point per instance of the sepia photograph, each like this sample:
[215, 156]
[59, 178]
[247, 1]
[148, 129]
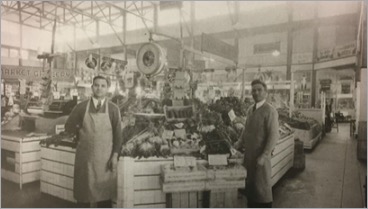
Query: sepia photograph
[183, 104]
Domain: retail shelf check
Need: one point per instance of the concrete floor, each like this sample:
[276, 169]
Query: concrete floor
[333, 178]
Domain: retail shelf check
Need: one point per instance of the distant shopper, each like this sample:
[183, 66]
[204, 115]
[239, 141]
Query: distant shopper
[258, 140]
[329, 117]
[97, 123]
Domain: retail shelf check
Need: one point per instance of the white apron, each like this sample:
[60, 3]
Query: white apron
[93, 181]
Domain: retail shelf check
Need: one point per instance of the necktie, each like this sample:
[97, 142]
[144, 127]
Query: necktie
[99, 105]
[254, 107]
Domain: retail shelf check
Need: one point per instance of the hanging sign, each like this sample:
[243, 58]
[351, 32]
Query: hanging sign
[345, 50]
[33, 73]
[325, 55]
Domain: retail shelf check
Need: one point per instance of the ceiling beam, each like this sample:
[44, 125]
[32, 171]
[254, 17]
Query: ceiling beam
[25, 24]
[127, 11]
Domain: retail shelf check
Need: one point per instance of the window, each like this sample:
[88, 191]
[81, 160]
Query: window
[266, 48]
[4, 52]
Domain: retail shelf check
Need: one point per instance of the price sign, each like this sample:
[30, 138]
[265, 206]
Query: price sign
[167, 134]
[232, 115]
[184, 161]
[220, 159]
[180, 133]
[59, 129]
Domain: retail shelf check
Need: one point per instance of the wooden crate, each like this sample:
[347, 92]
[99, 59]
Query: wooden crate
[362, 140]
[235, 173]
[57, 171]
[221, 198]
[310, 144]
[20, 157]
[171, 175]
[282, 158]
[139, 185]
[308, 137]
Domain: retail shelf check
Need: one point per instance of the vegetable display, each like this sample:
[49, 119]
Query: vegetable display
[297, 120]
[62, 139]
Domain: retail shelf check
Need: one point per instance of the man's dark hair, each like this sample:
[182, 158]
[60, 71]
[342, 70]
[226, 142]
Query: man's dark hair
[257, 81]
[101, 77]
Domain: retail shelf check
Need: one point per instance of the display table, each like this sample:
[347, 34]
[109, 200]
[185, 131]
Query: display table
[139, 183]
[20, 156]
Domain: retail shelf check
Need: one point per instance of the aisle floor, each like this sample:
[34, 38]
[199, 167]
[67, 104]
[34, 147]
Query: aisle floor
[333, 178]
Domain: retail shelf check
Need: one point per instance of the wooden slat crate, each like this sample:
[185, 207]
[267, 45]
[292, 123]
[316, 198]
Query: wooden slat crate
[139, 185]
[20, 157]
[223, 198]
[282, 158]
[57, 171]
[171, 175]
[309, 137]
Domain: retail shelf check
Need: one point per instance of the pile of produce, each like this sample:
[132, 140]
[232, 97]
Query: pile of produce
[297, 120]
[284, 129]
[216, 142]
[226, 104]
[146, 144]
[63, 139]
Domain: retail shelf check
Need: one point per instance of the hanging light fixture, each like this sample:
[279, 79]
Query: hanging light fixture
[276, 53]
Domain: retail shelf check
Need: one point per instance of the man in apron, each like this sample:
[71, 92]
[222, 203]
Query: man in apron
[258, 139]
[97, 123]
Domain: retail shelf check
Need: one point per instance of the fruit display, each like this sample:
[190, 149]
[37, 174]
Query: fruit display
[226, 104]
[146, 144]
[284, 129]
[297, 120]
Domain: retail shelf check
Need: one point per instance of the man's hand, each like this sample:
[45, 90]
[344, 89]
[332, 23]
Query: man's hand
[237, 145]
[113, 162]
[261, 160]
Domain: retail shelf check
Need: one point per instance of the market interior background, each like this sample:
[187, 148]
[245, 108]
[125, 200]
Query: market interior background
[198, 58]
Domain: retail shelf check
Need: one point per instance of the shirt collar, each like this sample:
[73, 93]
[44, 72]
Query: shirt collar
[95, 102]
[259, 104]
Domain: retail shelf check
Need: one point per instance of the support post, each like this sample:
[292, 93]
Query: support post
[315, 50]
[289, 41]
[20, 34]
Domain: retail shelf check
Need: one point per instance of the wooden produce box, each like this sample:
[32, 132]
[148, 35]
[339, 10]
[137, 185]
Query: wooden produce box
[309, 137]
[221, 198]
[20, 157]
[234, 173]
[57, 171]
[139, 185]
[170, 174]
[282, 158]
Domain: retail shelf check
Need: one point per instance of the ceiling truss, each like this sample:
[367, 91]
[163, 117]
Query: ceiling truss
[81, 14]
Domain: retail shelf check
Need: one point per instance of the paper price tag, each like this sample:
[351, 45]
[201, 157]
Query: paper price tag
[59, 129]
[167, 134]
[184, 161]
[180, 133]
[217, 159]
[232, 115]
